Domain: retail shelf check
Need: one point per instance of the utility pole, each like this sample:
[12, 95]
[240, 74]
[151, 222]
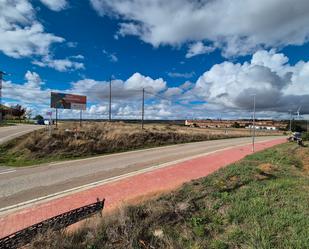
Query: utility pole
[143, 108]
[110, 100]
[1, 78]
[56, 117]
[253, 135]
[80, 117]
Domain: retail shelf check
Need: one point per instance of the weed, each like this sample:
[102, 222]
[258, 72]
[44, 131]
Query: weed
[232, 208]
[70, 142]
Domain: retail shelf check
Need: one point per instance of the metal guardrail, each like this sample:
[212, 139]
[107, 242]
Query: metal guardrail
[58, 222]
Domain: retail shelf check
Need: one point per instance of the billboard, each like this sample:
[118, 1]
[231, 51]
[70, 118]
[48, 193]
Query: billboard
[68, 101]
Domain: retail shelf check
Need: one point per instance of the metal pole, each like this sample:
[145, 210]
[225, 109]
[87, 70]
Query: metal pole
[1, 78]
[253, 135]
[143, 108]
[290, 120]
[110, 100]
[50, 124]
[56, 117]
[80, 118]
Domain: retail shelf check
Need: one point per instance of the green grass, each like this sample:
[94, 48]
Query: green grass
[260, 202]
[4, 123]
[17, 121]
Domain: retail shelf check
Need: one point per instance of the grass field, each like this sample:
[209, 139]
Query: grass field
[70, 141]
[4, 123]
[260, 202]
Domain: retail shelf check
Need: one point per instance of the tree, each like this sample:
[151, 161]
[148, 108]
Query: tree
[38, 117]
[18, 111]
[297, 127]
[236, 125]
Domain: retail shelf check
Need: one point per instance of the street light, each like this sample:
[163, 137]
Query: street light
[253, 134]
[290, 120]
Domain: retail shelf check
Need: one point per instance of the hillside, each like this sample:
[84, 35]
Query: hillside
[70, 141]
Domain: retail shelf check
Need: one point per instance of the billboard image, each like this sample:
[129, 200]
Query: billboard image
[68, 101]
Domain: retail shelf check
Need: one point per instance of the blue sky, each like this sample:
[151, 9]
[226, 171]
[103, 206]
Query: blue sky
[197, 59]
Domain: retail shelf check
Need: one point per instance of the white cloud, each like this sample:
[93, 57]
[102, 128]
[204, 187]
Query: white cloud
[278, 86]
[300, 80]
[138, 81]
[21, 34]
[72, 44]
[199, 48]
[28, 41]
[55, 5]
[78, 57]
[130, 89]
[173, 91]
[112, 57]
[222, 91]
[181, 75]
[61, 65]
[30, 92]
[98, 109]
[238, 27]
[277, 62]
[33, 80]
[187, 85]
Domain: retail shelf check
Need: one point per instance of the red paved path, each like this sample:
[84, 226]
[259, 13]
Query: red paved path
[136, 186]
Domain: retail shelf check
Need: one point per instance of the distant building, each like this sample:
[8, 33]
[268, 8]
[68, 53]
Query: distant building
[259, 124]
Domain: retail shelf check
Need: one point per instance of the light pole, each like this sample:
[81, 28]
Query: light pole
[290, 120]
[253, 123]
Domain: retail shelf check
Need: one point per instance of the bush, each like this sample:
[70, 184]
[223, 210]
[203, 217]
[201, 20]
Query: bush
[305, 136]
[38, 117]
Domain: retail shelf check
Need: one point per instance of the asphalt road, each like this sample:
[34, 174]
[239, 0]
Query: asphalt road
[9, 132]
[24, 184]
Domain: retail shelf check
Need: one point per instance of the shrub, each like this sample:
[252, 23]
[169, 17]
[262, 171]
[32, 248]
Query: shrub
[305, 136]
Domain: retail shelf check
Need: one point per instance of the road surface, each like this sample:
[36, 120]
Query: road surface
[24, 184]
[9, 132]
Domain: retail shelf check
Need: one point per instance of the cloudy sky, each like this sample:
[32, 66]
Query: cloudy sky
[195, 58]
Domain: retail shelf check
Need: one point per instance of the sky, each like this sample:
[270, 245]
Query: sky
[194, 58]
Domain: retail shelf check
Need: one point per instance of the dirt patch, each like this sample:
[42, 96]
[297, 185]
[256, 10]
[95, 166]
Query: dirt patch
[266, 171]
[303, 154]
[267, 167]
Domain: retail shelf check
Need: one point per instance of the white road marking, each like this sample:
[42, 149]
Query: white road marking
[50, 197]
[7, 172]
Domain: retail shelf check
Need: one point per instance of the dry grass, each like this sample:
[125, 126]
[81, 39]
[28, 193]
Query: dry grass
[232, 208]
[71, 141]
